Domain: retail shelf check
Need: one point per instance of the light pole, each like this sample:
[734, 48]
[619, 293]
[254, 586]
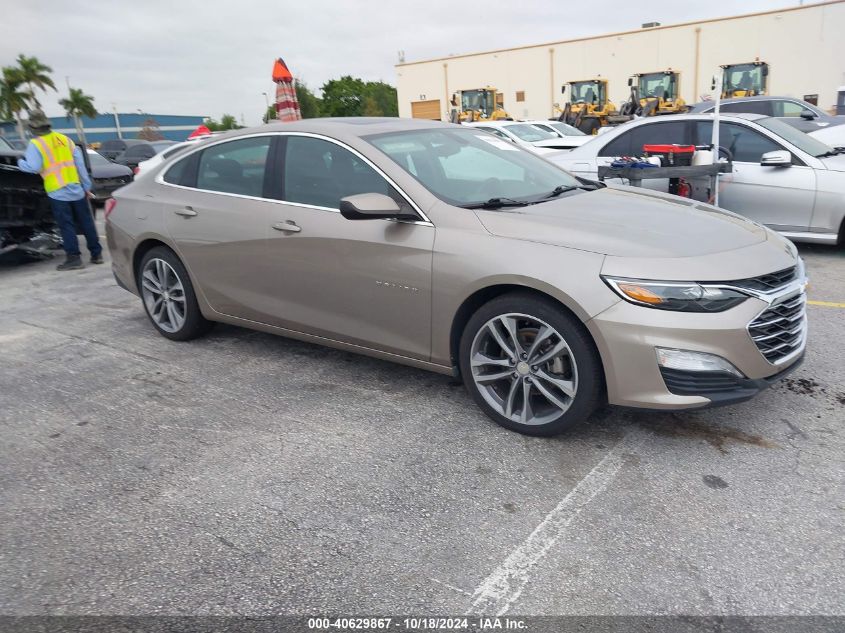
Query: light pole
[266, 117]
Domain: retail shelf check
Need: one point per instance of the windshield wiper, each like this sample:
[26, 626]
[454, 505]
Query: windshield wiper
[562, 189]
[496, 203]
[834, 152]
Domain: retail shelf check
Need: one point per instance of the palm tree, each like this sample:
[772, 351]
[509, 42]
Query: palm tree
[77, 105]
[35, 75]
[12, 99]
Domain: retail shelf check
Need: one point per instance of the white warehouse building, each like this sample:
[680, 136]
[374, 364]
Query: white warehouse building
[804, 47]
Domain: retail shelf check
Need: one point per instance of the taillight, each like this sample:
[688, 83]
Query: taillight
[136, 170]
[111, 203]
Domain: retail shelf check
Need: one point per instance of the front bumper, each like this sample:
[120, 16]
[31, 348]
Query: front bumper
[721, 388]
[627, 335]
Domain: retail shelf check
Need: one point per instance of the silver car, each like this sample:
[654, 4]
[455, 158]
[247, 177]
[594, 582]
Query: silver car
[425, 243]
[782, 178]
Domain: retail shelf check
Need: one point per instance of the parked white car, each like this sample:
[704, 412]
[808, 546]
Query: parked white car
[145, 166]
[571, 136]
[783, 178]
[529, 136]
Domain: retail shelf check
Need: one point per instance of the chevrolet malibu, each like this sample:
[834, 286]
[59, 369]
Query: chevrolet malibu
[440, 247]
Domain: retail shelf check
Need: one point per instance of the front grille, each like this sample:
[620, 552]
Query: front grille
[114, 182]
[768, 282]
[780, 329]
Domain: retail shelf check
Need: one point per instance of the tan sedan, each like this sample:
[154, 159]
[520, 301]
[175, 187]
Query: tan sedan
[446, 248]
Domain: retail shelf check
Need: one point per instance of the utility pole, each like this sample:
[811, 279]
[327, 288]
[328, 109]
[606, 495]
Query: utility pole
[117, 121]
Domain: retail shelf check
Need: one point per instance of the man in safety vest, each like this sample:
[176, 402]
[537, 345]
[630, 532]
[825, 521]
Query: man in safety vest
[66, 181]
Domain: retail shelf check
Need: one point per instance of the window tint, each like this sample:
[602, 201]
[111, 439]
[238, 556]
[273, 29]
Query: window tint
[470, 161]
[753, 107]
[531, 133]
[462, 165]
[178, 173]
[788, 108]
[746, 145]
[320, 173]
[658, 133]
[234, 167]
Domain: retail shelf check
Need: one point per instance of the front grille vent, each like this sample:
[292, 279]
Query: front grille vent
[768, 282]
[779, 330]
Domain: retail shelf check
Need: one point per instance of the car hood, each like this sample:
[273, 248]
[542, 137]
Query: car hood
[627, 222]
[834, 163]
[110, 171]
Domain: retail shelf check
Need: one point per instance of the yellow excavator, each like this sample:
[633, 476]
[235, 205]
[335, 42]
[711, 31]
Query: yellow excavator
[588, 107]
[478, 104]
[655, 93]
[745, 80]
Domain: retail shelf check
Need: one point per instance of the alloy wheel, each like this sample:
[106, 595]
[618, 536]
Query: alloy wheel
[524, 369]
[163, 295]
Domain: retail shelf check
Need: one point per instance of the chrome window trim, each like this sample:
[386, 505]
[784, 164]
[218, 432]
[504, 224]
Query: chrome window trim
[159, 179]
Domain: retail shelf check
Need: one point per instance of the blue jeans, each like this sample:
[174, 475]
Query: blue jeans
[65, 213]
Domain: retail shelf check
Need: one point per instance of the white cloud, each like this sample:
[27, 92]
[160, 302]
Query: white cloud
[192, 57]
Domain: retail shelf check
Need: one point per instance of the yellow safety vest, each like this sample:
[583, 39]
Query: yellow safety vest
[57, 167]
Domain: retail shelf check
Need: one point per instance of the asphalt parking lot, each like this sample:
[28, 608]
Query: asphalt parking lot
[249, 474]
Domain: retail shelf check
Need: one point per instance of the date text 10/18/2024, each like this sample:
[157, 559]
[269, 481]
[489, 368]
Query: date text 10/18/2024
[481, 623]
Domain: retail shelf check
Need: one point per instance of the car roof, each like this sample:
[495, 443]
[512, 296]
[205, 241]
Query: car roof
[341, 128]
[703, 105]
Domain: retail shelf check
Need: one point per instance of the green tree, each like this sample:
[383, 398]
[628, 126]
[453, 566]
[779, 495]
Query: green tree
[227, 122]
[77, 105]
[343, 97]
[350, 96]
[35, 75]
[270, 114]
[384, 98]
[309, 103]
[13, 100]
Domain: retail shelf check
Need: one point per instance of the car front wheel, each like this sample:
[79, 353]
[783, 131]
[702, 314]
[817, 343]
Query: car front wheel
[530, 365]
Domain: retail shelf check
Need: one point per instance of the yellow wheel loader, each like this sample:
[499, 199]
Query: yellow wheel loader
[588, 107]
[478, 104]
[745, 80]
[655, 93]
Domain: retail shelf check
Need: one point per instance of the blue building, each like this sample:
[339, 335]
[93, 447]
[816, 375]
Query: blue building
[174, 127]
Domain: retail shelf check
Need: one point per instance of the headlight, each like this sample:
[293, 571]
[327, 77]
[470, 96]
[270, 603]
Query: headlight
[675, 295]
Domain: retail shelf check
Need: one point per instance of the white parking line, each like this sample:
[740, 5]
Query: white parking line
[502, 587]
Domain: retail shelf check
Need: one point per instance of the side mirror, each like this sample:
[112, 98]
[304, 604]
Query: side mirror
[563, 89]
[779, 158]
[808, 115]
[630, 81]
[372, 206]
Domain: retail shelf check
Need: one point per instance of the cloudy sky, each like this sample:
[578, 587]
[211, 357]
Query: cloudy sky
[211, 57]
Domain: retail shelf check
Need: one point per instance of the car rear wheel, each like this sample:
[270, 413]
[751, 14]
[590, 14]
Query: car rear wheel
[168, 296]
[529, 365]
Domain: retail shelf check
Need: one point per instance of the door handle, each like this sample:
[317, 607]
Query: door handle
[287, 226]
[187, 212]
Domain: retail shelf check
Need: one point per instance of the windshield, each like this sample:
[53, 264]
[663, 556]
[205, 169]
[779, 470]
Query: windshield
[478, 100]
[792, 135]
[530, 133]
[96, 159]
[660, 85]
[566, 130]
[4, 144]
[744, 78]
[466, 167]
[586, 92]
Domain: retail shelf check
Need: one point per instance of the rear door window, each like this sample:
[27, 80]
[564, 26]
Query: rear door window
[656, 133]
[234, 167]
[753, 107]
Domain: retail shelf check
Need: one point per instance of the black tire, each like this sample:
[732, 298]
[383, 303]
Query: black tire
[194, 325]
[589, 392]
